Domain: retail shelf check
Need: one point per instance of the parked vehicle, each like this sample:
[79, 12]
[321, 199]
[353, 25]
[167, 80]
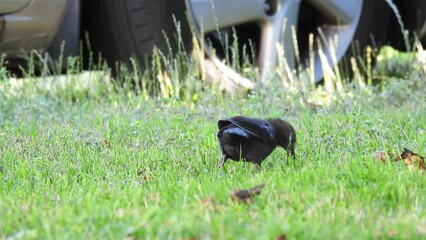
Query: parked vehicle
[131, 28]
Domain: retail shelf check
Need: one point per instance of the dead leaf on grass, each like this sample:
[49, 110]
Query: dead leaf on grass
[282, 236]
[145, 177]
[211, 204]
[392, 233]
[412, 160]
[246, 195]
[106, 143]
[207, 201]
[383, 156]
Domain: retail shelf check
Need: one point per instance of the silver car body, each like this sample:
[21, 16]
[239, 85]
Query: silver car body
[27, 25]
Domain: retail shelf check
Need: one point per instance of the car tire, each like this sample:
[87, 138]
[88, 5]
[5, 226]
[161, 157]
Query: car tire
[123, 29]
[373, 25]
[413, 16]
[372, 30]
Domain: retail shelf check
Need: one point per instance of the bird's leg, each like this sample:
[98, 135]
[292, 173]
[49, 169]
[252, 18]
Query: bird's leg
[291, 145]
[290, 153]
[222, 160]
[258, 165]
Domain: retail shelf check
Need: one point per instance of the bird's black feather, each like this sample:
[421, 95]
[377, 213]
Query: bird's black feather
[259, 129]
[253, 139]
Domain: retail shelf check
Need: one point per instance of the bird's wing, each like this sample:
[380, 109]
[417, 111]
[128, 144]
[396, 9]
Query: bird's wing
[257, 128]
[223, 123]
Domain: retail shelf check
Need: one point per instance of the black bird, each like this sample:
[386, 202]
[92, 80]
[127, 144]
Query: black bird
[253, 139]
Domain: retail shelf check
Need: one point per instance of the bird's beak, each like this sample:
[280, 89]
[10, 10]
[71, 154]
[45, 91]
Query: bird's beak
[290, 151]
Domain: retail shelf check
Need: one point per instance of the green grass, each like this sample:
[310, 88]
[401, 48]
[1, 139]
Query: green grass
[101, 164]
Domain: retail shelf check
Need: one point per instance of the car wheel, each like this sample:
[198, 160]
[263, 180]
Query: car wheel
[123, 29]
[262, 22]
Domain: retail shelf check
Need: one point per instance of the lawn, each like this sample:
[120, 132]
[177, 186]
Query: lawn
[90, 165]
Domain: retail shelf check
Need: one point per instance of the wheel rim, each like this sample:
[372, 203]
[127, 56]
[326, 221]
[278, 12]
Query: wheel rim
[275, 17]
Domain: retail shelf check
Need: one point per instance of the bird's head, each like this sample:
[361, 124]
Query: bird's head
[285, 134]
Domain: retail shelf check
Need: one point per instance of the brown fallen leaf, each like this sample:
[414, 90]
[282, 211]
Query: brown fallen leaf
[106, 143]
[207, 201]
[211, 204]
[412, 160]
[145, 177]
[383, 156]
[392, 233]
[389, 234]
[282, 236]
[246, 195]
